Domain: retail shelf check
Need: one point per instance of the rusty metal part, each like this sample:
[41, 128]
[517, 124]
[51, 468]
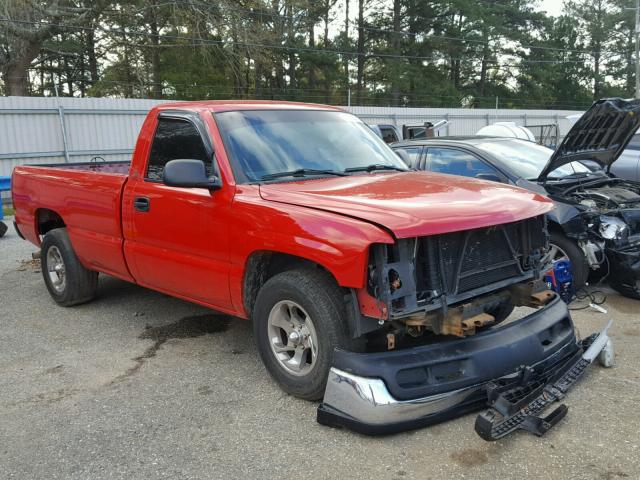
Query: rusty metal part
[457, 322]
[391, 341]
[416, 321]
[530, 295]
[481, 320]
[463, 320]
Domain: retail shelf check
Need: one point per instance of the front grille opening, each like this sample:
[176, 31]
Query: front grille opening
[423, 273]
[468, 260]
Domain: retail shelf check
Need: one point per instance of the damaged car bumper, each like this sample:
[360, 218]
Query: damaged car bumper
[624, 270]
[389, 392]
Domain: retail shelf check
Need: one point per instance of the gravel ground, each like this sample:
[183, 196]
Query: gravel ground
[140, 385]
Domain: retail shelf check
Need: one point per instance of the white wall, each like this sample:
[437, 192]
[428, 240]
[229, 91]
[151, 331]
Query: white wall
[31, 131]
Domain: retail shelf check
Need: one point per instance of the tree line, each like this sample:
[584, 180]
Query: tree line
[452, 53]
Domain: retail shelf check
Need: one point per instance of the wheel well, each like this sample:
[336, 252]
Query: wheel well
[48, 220]
[554, 227]
[261, 266]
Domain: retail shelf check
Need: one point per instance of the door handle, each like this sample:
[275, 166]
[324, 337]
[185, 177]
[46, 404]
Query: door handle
[141, 204]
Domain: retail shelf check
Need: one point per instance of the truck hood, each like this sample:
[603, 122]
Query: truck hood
[412, 204]
[600, 135]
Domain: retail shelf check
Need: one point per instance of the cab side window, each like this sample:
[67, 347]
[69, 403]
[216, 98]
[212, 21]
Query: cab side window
[456, 162]
[388, 134]
[174, 139]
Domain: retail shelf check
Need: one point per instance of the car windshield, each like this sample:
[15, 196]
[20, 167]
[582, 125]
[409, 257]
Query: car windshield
[527, 159]
[266, 143]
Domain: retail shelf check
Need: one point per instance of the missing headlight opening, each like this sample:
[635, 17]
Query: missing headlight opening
[457, 283]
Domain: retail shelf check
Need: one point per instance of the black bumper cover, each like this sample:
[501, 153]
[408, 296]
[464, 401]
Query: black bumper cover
[544, 343]
[624, 270]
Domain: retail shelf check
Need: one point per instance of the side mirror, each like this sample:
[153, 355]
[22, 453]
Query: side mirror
[188, 174]
[492, 177]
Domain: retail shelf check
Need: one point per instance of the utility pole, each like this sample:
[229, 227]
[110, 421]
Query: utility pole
[637, 49]
[637, 42]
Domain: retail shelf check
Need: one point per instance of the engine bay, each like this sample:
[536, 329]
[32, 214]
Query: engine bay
[604, 221]
[610, 209]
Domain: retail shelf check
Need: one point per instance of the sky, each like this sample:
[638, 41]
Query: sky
[552, 7]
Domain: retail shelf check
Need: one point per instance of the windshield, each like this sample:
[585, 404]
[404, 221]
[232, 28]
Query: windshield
[527, 159]
[266, 142]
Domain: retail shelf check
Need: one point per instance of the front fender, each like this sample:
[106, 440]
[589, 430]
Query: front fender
[568, 218]
[338, 243]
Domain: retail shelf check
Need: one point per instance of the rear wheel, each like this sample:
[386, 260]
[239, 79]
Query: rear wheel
[3, 227]
[563, 248]
[68, 282]
[298, 319]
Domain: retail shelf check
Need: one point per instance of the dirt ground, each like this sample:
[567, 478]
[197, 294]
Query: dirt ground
[140, 385]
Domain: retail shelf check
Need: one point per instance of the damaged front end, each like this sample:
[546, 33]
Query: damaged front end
[432, 354]
[606, 226]
[457, 283]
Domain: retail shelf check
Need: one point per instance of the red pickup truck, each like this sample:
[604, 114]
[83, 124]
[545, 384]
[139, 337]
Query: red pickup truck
[373, 285]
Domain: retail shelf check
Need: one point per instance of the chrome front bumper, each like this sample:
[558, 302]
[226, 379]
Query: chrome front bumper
[367, 401]
[365, 404]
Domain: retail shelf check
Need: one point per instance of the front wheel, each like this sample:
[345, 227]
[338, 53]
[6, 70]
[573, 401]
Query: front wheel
[298, 319]
[68, 281]
[563, 248]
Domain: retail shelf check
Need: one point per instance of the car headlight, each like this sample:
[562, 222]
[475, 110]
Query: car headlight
[612, 228]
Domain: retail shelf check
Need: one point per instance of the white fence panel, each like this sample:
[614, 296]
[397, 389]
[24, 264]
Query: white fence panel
[31, 128]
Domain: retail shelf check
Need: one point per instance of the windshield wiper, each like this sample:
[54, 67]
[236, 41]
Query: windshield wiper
[301, 172]
[375, 166]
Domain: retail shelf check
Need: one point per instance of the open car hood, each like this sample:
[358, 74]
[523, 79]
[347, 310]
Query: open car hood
[600, 135]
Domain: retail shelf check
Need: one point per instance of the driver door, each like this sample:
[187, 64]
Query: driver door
[177, 239]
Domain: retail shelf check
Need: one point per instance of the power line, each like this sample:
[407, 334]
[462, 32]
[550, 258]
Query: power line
[216, 90]
[197, 42]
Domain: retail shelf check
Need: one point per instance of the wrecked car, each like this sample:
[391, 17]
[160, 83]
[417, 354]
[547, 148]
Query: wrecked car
[383, 291]
[596, 220]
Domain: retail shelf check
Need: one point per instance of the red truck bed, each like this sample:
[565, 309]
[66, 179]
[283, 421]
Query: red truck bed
[88, 196]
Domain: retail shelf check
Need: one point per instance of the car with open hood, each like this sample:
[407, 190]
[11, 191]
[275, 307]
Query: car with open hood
[596, 219]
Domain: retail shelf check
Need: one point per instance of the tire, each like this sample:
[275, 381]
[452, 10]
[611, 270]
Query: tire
[501, 312]
[579, 266]
[3, 227]
[288, 298]
[69, 284]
